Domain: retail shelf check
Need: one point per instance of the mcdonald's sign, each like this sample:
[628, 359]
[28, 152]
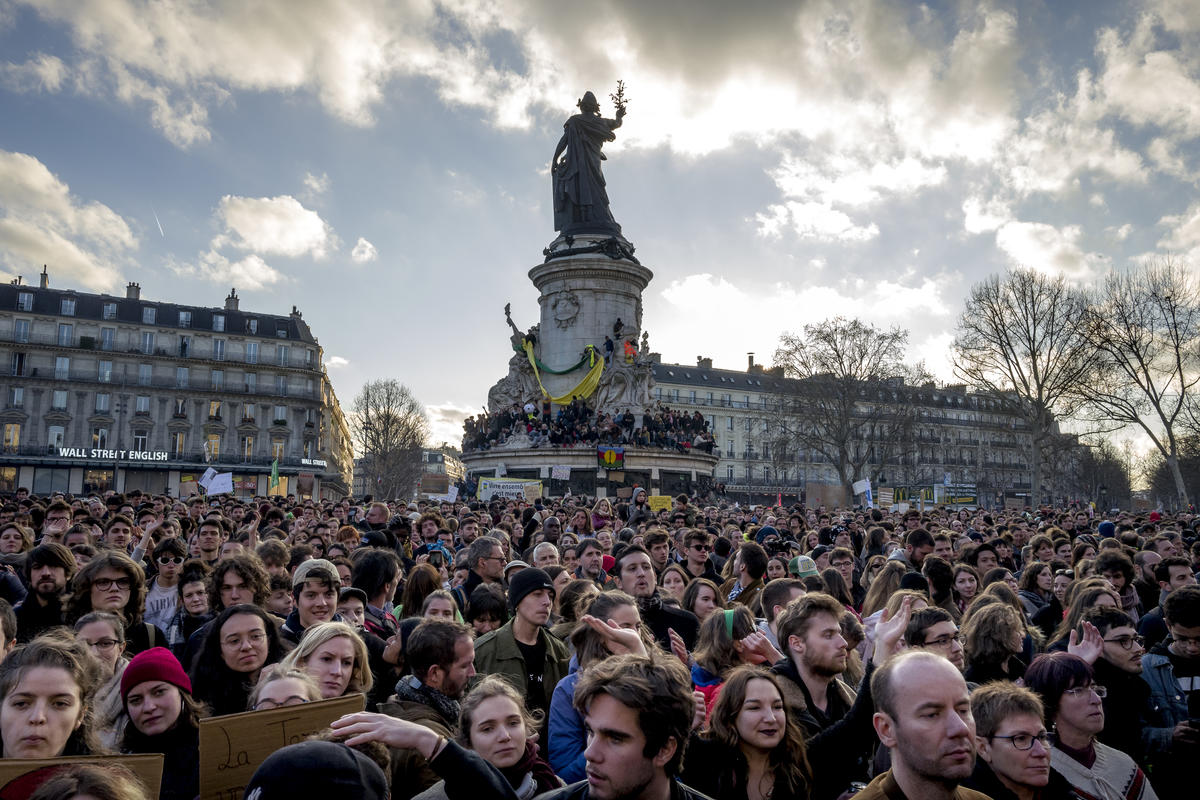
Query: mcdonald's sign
[610, 457]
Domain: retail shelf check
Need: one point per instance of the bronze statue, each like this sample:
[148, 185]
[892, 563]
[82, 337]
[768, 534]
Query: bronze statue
[580, 197]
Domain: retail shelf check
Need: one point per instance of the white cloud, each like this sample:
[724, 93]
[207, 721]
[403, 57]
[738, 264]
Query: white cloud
[1149, 85]
[1055, 251]
[42, 223]
[250, 273]
[273, 225]
[363, 251]
[1183, 233]
[41, 73]
[333, 362]
[813, 221]
[446, 422]
[909, 301]
[984, 216]
[316, 185]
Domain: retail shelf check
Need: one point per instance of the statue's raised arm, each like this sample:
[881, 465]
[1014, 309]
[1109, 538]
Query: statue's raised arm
[580, 196]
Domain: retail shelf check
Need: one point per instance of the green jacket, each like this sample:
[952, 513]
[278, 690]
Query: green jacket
[496, 653]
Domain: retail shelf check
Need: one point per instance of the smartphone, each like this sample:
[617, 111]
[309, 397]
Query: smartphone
[435, 558]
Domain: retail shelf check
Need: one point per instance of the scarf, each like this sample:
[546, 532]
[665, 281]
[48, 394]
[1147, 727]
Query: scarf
[649, 605]
[412, 690]
[531, 767]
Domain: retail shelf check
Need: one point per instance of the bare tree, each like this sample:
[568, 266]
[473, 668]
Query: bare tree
[1020, 340]
[1144, 326]
[1104, 476]
[847, 404]
[390, 430]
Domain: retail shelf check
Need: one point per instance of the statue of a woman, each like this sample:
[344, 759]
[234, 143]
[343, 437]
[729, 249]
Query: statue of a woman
[580, 199]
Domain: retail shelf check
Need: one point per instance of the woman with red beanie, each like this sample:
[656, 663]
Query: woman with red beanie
[163, 718]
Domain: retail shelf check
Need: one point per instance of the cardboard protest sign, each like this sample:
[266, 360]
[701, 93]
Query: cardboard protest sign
[232, 747]
[20, 777]
[660, 502]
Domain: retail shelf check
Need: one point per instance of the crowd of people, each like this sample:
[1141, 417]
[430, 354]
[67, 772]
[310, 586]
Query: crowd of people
[576, 424]
[583, 648]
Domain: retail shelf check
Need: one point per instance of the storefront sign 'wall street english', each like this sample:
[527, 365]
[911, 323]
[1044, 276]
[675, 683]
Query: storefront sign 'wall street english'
[112, 455]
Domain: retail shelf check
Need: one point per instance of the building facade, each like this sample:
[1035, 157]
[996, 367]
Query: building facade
[104, 392]
[965, 449]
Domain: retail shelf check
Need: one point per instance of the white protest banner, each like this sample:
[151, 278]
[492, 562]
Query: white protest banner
[207, 477]
[222, 483]
[505, 488]
[560, 473]
[862, 487]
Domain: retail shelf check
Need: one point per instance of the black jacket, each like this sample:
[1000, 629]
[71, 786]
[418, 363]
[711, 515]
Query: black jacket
[660, 617]
[33, 618]
[467, 775]
[720, 771]
[984, 780]
[181, 759]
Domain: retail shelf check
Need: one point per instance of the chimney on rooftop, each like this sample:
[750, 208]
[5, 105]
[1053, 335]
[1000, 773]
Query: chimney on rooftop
[45, 276]
[231, 302]
[133, 291]
[703, 363]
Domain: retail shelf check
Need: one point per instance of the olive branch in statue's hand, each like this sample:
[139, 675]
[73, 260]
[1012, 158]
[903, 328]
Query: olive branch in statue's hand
[619, 99]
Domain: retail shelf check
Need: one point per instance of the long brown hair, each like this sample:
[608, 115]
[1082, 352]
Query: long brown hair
[789, 758]
[715, 650]
[422, 581]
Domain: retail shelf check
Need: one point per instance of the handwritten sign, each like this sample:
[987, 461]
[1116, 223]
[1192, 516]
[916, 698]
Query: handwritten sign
[659, 502]
[232, 747]
[20, 777]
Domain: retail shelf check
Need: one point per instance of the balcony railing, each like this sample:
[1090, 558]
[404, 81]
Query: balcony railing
[93, 343]
[192, 384]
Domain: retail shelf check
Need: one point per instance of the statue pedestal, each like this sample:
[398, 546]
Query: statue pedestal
[582, 296]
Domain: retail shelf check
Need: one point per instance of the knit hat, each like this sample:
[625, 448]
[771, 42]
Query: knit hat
[155, 664]
[318, 565]
[764, 532]
[525, 582]
[1106, 529]
[819, 551]
[803, 567]
[317, 769]
[915, 581]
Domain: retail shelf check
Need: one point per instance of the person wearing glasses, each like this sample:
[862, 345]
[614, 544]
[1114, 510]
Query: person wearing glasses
[113, 582]
[934, 629]
[697, 544]
[103, 634]
[162, 595]
[1172, 671]
[1074, 708]
[1013, 747]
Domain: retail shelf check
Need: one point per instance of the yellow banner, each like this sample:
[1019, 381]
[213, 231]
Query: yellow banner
[583, 390]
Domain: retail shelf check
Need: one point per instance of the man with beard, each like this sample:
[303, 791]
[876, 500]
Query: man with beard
[634, 571]
[1118, 668]
[923, 715]
[48, 570]
[442, 657]
[591, 563]
[1172, 670]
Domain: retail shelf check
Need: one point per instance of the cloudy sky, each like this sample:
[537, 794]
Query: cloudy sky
[383, 164]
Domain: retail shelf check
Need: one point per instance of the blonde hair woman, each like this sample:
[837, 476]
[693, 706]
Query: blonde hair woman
[335, 657]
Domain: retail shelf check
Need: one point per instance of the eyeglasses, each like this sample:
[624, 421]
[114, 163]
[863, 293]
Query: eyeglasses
[104, 584]
[1070, 573]
[1079, 691]
[1128, 642]
[1191, 641]
[255, 637]
[491, 558]
[703, 548]
[103, 644]
[164, 560]
[947, 640]
[266, 705]
[1024, 741]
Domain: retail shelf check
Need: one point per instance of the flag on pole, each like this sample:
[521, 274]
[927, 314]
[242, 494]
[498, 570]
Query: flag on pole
[274, 473]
